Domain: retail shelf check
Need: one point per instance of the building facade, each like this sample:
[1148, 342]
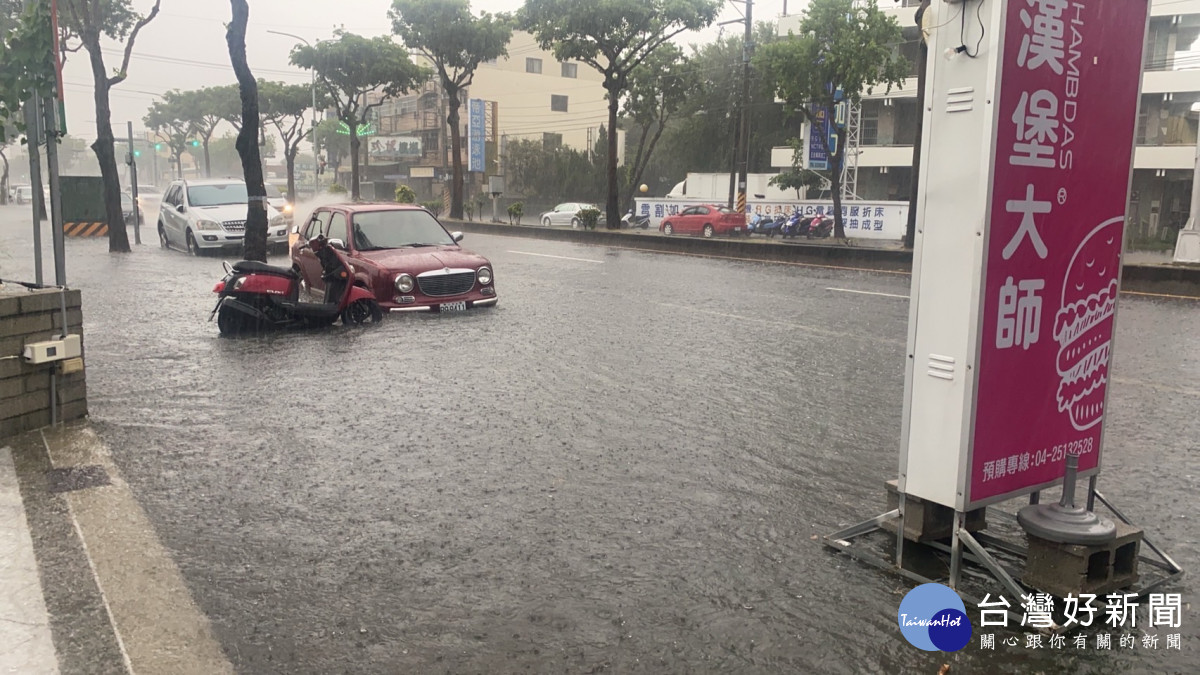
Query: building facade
[530, 95]
[1164, 158]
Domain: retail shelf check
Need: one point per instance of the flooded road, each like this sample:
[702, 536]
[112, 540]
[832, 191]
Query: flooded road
[620, 468]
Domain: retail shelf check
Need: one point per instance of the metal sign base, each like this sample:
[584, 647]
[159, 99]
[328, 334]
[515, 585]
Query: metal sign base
[978, 554]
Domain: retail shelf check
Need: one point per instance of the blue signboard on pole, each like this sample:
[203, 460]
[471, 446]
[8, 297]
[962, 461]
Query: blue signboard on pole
[818, 135]
[476, 133]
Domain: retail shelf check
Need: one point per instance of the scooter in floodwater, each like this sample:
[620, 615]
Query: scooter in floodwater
[255, 296]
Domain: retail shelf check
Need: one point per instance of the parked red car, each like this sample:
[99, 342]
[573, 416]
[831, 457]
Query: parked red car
[401, 253]
[704, 219]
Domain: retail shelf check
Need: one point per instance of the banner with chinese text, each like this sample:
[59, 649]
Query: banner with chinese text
[1069, 85]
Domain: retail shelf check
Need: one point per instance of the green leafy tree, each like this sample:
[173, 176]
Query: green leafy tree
[843, 45]
[164, 120]
[284, 106]
[541, 174]
[26, 72]
[614, 37]
[455, 42]
[208, 108]
[254, 244]
[796, 177]
[89, 21]
[26, 62]
[657, 90]
[700, 137]
[349, 68]
[332, 142]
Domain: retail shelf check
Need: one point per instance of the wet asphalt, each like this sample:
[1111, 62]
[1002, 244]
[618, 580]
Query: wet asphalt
[621, 467]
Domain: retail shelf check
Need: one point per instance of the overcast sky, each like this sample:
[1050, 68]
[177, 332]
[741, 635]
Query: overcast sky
[184, 47]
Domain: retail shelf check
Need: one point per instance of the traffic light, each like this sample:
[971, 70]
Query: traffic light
[137, 153]
[195, 144]
[157, 147]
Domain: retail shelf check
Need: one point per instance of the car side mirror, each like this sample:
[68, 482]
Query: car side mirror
[337, 243]
[181, 208]
[295, 229]
[456, 236]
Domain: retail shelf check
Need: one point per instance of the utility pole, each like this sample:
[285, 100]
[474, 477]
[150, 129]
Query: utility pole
[133, 188]
[35, 181]
[910, 227]
[744, 134]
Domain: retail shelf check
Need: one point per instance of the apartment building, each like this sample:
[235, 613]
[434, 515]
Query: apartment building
[1164, 159]
[531, 95]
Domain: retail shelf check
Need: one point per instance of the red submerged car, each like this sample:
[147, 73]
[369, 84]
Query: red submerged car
[401, 253]
[704, 219]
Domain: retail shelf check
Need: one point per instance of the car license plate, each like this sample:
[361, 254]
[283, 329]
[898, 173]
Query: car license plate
[460, 306]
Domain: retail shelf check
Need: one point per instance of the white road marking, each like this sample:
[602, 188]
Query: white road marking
[851, 290]
[560, 257]
[774, 322]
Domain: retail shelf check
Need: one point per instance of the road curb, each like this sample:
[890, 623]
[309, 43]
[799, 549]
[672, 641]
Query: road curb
[1166, 280]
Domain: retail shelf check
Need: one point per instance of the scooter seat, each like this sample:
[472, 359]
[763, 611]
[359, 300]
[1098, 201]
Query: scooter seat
[252, 266]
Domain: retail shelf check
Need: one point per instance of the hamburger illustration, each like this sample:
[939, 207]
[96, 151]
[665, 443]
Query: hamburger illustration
[1083, 327]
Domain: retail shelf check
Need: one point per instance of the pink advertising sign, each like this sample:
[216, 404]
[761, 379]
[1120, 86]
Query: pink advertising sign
[1069, 85]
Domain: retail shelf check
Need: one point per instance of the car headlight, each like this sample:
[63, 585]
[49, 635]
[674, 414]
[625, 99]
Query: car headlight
[405, 283]
[278, 219]
[207, 225]
[287, 208]
[484, 275]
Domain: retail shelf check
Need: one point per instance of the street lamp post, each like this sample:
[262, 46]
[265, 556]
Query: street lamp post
[313, 130]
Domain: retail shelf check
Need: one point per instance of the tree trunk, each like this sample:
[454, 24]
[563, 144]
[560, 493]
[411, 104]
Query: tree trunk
[836, 161]
[354, 143]
[4, 179]
[118, 238]
[255, 242]
[612, 204]
[207, 164]
[456, 184]
[289, 154]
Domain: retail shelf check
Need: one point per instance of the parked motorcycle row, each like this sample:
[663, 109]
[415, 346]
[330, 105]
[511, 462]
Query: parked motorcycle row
[794, 225]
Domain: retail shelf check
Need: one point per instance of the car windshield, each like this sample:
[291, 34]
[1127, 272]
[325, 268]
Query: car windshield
[148, 190]
[216, 195]
[273, 192]
[376, 230]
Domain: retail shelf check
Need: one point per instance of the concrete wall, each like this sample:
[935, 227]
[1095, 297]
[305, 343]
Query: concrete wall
[33, 316]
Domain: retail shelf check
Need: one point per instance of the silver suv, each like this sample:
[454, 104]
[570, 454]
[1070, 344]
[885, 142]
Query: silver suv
[205, 215]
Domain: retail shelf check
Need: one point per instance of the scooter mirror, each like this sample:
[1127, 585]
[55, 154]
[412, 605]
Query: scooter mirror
[456, 236]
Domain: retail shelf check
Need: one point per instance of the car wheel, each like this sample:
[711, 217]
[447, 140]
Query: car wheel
[708, 231]
[362, 311]
[162, 236]
[546, 221]
[667, 229]
[575, 222]
[192, 248]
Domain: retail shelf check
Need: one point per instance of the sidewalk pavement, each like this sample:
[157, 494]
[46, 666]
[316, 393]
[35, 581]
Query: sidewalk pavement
[26, 646]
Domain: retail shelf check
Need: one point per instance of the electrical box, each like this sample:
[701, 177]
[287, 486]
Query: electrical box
[68, 347]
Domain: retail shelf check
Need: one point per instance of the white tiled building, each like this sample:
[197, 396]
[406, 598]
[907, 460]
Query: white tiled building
[536, 96]
[1167, 124]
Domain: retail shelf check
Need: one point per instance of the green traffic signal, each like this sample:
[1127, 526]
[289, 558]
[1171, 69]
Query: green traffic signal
[195, 144]
[137, 153]
[157, 146]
